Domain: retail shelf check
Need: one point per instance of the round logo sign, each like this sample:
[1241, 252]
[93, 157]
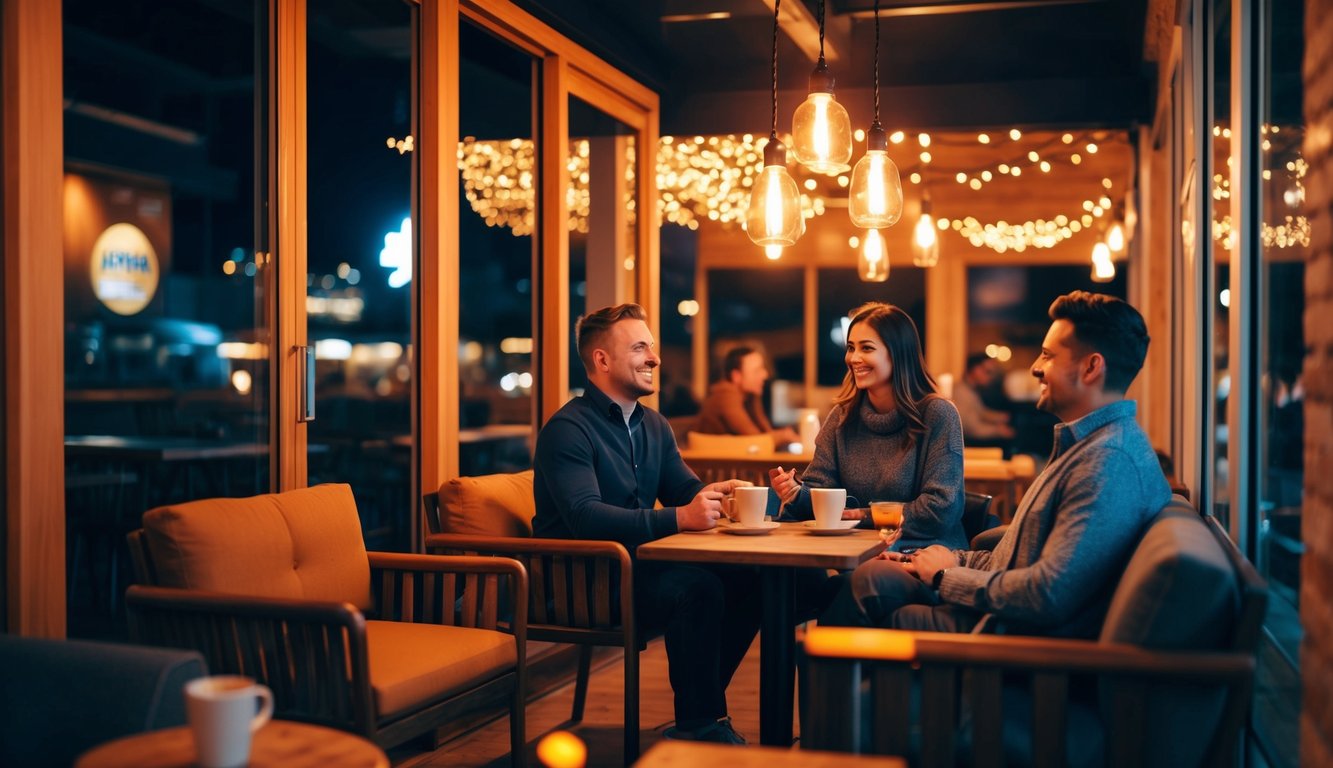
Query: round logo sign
[124, 269]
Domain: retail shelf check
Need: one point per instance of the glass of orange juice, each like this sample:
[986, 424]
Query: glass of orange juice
[888, 515]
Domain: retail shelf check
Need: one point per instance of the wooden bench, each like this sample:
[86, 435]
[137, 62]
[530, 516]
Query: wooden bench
[1168, 682]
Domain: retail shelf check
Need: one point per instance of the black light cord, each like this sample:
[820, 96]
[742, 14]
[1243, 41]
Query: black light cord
[876, 61]
[821, 30]
[776, 6]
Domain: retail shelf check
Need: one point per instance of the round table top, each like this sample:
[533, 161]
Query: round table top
[280, 743]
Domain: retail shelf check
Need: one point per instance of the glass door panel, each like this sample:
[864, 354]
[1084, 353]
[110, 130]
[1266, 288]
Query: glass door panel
[360, 257]
[498, 175]
[166, 341]
[603, 214]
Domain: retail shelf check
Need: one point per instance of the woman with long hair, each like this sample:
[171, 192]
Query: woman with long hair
[890, 436]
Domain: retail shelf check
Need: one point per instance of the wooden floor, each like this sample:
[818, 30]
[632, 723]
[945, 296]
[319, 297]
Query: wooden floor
[602, 724]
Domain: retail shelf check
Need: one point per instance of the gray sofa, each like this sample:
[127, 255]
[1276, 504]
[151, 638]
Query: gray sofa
[63, 697]
[1167, 683]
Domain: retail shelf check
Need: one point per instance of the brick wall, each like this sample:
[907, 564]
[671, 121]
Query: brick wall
[1317, 517]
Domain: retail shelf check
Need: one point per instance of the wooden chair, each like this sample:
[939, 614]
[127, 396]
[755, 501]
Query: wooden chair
[582, 591]
[731, 445]
[280, 588]
[1168, 682]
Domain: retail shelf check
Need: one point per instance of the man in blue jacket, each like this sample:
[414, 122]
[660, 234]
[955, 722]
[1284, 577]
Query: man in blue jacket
[1054, 571]
[602, 462]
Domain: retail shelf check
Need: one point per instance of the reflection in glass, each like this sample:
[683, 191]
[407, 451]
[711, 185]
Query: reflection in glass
[166, 350]
[763, 309]
[496, 252]
[360, 256]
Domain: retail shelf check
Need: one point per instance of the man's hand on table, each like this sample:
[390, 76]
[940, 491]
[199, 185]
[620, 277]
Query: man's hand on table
[727, 487]
[702, 512]
[925, 563]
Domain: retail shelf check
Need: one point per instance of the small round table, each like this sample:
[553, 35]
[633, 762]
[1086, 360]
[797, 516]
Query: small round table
[280, 743]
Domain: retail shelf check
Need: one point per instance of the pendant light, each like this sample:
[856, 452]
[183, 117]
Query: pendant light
[875, 196]
[873, 261]
[1103, 269]
[1115, 237]
[821, 131]
[774, 215]
[925, 240]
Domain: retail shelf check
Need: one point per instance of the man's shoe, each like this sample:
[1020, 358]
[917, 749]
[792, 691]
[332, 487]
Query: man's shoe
[720, 732]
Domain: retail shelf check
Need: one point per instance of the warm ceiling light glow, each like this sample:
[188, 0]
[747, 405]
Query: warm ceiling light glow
[897, 137]
[821, 130]
[915, 178]
[923, 139]
[1068, 138]
[925, 242]
[1015, 134]
[983, 138]
[873, 264]
[773, 217]
[1092, 148]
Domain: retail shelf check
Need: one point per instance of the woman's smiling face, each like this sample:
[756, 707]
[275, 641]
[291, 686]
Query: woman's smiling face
[867, 358]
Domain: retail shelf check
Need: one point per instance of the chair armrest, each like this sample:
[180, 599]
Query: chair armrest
[1015, 653]
[591, 566]
[451, 589]
[312, 654]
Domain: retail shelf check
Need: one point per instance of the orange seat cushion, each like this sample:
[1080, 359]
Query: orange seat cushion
[415, 664]
[488, 505]
[301, 544]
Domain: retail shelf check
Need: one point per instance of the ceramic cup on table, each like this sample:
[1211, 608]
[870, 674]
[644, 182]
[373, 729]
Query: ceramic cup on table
[828, 504]
[224, 711]
[750, 505]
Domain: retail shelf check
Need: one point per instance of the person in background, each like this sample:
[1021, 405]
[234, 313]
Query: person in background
[889, 437]
[1054, 571]
[602, 463]
[981, 425]
[734, 405]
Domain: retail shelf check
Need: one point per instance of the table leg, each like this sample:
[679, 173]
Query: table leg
[777, 658]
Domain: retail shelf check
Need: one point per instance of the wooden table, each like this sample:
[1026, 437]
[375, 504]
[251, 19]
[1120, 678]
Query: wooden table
[788, 547]
[281, 743]
[696, 754]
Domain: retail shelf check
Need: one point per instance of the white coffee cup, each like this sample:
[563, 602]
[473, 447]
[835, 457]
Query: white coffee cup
[222, 716]
[751, 504]
[828, 504]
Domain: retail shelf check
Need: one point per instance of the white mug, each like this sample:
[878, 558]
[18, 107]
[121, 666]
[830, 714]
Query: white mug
[828, 504]
[751, 504]
[222, 716]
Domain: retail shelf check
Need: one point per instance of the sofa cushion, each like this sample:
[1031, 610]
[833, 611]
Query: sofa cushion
[488, 505]
[1178, 591]
[303, 544]
[415, 664]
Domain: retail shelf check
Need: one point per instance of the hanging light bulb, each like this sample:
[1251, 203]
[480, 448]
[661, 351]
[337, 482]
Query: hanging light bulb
[821, 131]
[925, 241]
[773, 252]
[774, 215]
[875, 196]
[1103, 269]
[1115, 238]
[873, 264]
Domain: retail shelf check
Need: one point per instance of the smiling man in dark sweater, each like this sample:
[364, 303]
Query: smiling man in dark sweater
[602, 462]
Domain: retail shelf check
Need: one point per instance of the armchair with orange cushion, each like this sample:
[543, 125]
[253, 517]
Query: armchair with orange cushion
[280, 588]
[581, 590]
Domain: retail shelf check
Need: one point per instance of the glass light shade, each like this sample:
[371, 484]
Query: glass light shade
[774, 215]
[1115, 238]
[821, 134]
[773, 252]
[873, 261]
[1103, 269]
[875, 196]
[925, 242]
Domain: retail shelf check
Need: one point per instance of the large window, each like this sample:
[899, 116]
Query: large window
[166, 346]
[360, 257]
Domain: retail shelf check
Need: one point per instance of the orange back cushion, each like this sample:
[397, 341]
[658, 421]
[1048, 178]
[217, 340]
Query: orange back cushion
[488, 505]
[303, 544]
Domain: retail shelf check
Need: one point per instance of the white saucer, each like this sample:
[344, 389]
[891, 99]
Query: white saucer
[842, 527]
[743, 530]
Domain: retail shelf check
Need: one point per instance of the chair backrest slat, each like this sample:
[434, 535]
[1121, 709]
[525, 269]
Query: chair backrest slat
[538, 589]
[1050, 693]
[893, 711]
[601, 614]
[580, 607]
[560, 589]
[939, 712]
[984, 697]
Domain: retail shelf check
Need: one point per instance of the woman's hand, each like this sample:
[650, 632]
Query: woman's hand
[784, 483]
[889, 537]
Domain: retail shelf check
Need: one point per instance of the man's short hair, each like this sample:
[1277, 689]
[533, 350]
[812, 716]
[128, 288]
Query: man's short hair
[975, 359]
[732, 360]
[1109, 326]
[591, 329]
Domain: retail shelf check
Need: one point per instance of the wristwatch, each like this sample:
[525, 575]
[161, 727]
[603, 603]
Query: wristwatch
[938, 579]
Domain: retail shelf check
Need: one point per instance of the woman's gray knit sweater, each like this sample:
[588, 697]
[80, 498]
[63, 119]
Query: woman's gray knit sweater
[874, 460]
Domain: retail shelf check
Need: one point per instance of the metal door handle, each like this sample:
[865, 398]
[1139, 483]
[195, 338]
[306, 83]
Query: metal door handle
[306, 381]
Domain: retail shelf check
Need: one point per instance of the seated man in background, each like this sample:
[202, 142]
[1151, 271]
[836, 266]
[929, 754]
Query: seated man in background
[1058, 564]
[602, 462]
[981, 425]
[734, 405]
